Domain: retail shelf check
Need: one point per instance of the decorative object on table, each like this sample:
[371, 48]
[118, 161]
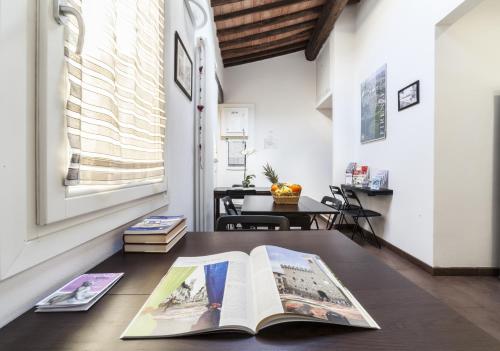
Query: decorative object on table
[286, 193]
[79, 294]
[380, 180]
[235, 157]
[197, 291]
[247, 179]
[360, 176]
[155, 234]
[351, 167]
[374, 106]
[183, 68]
[409, 96]
[283, 193]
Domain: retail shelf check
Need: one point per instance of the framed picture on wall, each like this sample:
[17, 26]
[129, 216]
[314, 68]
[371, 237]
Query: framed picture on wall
[183, 68]
[235, 157]
[409, 96]
[374, 106]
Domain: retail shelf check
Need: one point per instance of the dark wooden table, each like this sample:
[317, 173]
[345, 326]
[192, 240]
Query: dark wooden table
[411, 319]
[264, 205]
[367, 190]
[220, 192]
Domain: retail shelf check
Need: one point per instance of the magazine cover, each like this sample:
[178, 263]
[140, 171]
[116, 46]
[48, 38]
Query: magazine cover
[155, 224]
[80, 290]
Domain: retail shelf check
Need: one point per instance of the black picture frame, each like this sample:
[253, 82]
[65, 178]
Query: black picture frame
[179, 80]
[414, 98]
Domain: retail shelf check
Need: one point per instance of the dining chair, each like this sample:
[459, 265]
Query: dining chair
[333, 203]
[252, 223]
[354, 209]
[229, 206]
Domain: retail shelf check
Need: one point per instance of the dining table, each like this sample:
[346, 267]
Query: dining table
[410, 318]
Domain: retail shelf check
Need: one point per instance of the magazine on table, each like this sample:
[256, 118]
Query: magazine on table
[234, 291]
[155, 225]
[80, 293]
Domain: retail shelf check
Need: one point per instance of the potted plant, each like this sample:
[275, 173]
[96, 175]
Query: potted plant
[247, 179]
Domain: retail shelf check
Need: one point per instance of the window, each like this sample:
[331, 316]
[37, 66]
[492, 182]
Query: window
[101, 109]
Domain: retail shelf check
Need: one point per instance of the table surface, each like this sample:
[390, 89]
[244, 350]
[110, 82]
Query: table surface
[368, 191]
[261, 205]
[223, 190]
[411, 319]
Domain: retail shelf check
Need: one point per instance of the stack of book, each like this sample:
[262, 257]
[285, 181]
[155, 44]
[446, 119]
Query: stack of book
[156, 234]
[79, 294]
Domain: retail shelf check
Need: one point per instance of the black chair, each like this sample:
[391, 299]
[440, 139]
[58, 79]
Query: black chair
[340, 202]
[239, 194]
[354, 209]
[303, 221]
[229, 206]
[252, 223]
[333, 203]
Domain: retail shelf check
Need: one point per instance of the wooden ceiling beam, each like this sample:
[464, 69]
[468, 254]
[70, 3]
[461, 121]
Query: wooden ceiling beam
[256, 9]
[265, 55]
[304, 26]
[252, 49]
[270, 21]
[223, 2]
[329, 15]
[293, 46]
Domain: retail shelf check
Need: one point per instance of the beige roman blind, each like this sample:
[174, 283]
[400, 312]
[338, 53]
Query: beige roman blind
[115, 102]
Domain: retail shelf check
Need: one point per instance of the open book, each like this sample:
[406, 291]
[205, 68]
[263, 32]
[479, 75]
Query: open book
[236, 291]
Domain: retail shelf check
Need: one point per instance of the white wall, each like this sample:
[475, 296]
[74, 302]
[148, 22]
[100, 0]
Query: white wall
[32, 268]
[467, 78]
[283, 90]
[180, 118]
[401, 35]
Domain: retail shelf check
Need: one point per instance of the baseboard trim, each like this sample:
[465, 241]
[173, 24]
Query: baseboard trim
[435, 271]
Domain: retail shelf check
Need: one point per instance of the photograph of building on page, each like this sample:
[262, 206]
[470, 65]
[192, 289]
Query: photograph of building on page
[306, 289]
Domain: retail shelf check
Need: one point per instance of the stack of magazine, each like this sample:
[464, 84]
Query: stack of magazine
[156, 234]
[79, 294]
[234, 291]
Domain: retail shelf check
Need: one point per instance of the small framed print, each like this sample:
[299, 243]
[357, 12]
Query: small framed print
[409, 96]
[235, 157]
[183, 68]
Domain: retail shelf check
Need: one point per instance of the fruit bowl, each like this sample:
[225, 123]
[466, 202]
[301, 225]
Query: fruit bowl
[286, 194]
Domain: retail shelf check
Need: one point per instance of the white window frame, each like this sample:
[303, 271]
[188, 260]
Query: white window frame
[54, 201]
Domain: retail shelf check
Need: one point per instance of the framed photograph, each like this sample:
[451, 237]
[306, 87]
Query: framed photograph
[235, 157]
[409, 96]
[374, 106]
[183, 68]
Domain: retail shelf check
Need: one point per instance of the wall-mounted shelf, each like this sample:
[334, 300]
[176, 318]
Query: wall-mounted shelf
[325, 105]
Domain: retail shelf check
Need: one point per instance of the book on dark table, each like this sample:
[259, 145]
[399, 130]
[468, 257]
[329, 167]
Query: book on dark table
[234, 291]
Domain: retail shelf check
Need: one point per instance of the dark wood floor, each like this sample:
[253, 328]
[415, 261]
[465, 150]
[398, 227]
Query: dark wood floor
[475, 298]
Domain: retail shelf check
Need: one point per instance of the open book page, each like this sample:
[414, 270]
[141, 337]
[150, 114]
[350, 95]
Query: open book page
[266, 297]
[198, 294]
[307, 288]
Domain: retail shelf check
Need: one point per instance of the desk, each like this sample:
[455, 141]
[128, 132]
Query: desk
[368, 191]
[411, 319]
[264, 205]
[220, 192]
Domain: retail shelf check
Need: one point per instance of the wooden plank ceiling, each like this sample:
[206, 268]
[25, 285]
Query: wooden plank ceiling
[253, 30]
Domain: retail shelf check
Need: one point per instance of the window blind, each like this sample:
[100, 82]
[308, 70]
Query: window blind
[115, 99]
